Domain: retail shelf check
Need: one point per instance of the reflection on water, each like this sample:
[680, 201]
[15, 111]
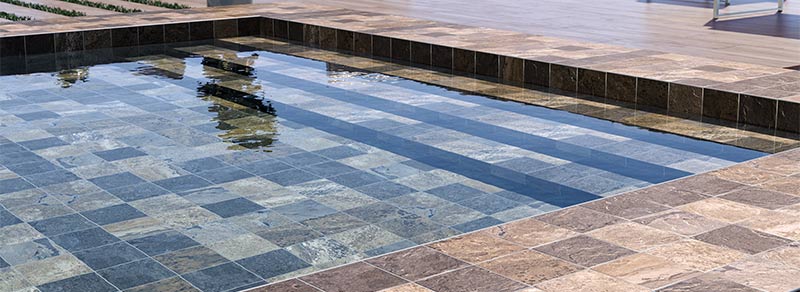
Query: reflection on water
[68, 77]
[247, 120]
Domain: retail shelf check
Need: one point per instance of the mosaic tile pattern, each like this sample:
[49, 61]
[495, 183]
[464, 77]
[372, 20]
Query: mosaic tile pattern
[717, 243]
[152, 174]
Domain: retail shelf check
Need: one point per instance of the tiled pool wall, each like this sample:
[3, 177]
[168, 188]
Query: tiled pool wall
[683, 100]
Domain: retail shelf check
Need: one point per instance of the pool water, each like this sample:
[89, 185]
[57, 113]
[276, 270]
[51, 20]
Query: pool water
[224, 167]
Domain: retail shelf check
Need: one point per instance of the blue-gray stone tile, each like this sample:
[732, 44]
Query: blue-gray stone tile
[39, 166]
[329, 169]
[379, 212]
[20, 253]
[53, 177]
[273, 263]
[303, 159]
[63, 224]
[84, 239]
[113, 214]
[339, 152]
[224, 174]
[455, 192]
[183, 183]
[162, 243]
[86, 282]
[233, 207]
[477, 224]
[304, 210]
[385, 190]
[119, 153]
[265, 166]
[115, 181]
[356, 179]
[38, 115]
[201, 164]
[290, 177]
[490, 203]
[6, 218]
[524, 164]
[105, 256]
[43, 143]
[14, 185]
[220, 278]
[138, 191]
[132, 274]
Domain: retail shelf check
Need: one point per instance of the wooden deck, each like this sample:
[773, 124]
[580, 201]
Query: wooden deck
[683, 27]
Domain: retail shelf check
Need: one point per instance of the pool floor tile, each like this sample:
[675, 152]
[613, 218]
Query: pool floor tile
[471, 279]
[182, 183]
[190, 259]
[113, 214]
[233, 207]
[304, 210]
[109, 255]
[119, 153]
[116, 180]
[132, 274]
[84, 239]
[292, 285]
[63, 224]
[85, 282]
[273, 263]
[174, 284]
[162, 243]
[222, 278]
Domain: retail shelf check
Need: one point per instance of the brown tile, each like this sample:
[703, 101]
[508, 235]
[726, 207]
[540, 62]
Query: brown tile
[705, 283]
[578, 219]
[742, 239]
[311, 35]
[295, 31]
[537, 73]
[475, 247]
[722, 210]
[463, 60]
[417, 263]
[362, 43]
[696, 254]
[401, 49]
[646, 270]
[471, 279]
[327, 38]
[761, 198]
[788, 118]
[442, 57]
[530, 267]
[680, 222]
[634, 236]
[592, 82]
[764, 274]
[685, 100]
[381, 46]
[621, 87]
[530, 232]
[512, 69]
[585, 251]
[720, 104]
[745, 174]
[152, 34]
[267, 27]
[344, 40]
[227, 28]
[420, 53]
[410, 287]
[588, 280]
[668, 195]
[292, 285]
[652, 93]
[626, 206]
[249, 26]
[176, 32]
[779, 165]
[780, 223]
[563, 77]
[757, 111]
[787, 255]
[705, 184]
[487, 64]
[358, 277]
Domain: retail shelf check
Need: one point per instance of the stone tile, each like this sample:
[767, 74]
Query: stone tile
[233, 207]
[356, 277]
[588, 280]
[116, 180]
[20, 253]
[742, 239]
[707, 283]
[578, 219]
[174, 284]
[119, 153]
[85, 282]
[410, 287]
[113, 214]
[190, 259]
[323, 252]
[416, 263]
[273, 263]
[646, 270]
[409, 226]
[746, 175]
[634, 236]
[529, 232]
[762, 274]
[243, 246]
[777, 165]
[182, 183]
[584, 250]
[786, 185]
[475, 247]
[304, 210]
[680, 222]
[52, 269]
[723, 210]
[84, 239]
[109, 255]
[385, 190]
[222, 278]
[761, 198]
[697, 255]
[470, 279]
[780, 223]
[289, 234]
[334, 223]
[625, 206]
[6, 218]
[366, 238]
[135, 273]
[292, 285]
[530, 267]
[162, 243]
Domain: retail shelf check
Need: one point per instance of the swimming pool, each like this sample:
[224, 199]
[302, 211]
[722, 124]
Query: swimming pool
[223, 167]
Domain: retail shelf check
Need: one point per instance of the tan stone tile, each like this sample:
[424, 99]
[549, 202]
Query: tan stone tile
[471, 279]
[646, 270]
[784, 224]
[680, 222]
[696, 254]
[530, 232]
[789, 255]
[788, 185]
[578, 219]
[626, 206]
[776, 164]
[742, 239]
[723, 210]
[634, 236]
[476, 247]
[705, 184]
[585, 251]
[52, 269]
[761, 198]
[762, 274]
[707, 282]
[410, 287]
[746, 175]
[530, 267]
[589, 281]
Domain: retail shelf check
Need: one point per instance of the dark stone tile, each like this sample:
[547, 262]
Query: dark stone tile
[84, 239]
[286, 235]
[201, 164]
[353, 277]
[707, 283]
[110, 255]
[40, 44]
[578, 219]
[162, 243]
[720, 104]
[136, 273]
[174, 284]
[280, 28]
[761, 198]
[69, 42]
[463, 60]
[292, 285]
[625, 206]
[51, 178]
[311, 35]
[113, 214]
[476, 224]
[303, 159]
[788, 118]
[471, 279]
[327, 38]
[537, 73]
[757, 111]
[201, 30]
[11, 47]
[124, 37]
[6, 218]
[176, 32]
[116, 180]
[356, 179]
[225, 174]
[652, 93]
[585, 251]
[40, 115]
[249, 26]
[267, 27]
[401, 50]
[621, 87]
[417, 263]
[226, 28]
[190, 259]
[489, 203]
[294, 31]
[385, 190]
[362, 43]
[86, 282]
[420, 53]
[265, 167]
[344, 40]
[182, 183]
[97, 39]
[290, 177]
[512, 69]
[592, 82]
[685, 100]
[442, 57]
[381, 46]
[456, 192]
[60, 225]
[742, 239]
[43, 143]
[137, 192]
[378, 212]
[150, 35]
[224, 277]
[39, 166]
[273, 263]
[409, 226]
[563, 77]
[119, 153]
[334, 223]
[487, 64]
[304, 210]
[233, 207]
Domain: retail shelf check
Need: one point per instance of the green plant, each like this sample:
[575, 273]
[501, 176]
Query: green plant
[110, 7]
[45, 8]
[160, 4]
[13, 17]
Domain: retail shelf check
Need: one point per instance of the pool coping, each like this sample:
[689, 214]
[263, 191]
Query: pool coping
[669, 83]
